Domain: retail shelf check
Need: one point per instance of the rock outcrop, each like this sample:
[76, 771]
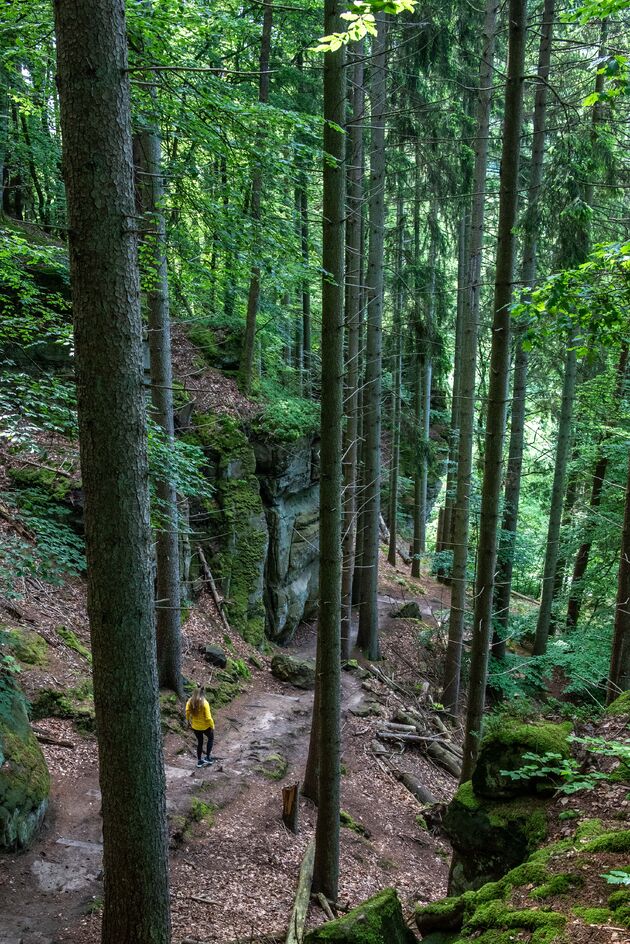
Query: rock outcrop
[289, 487]
[377, 921]
[495, 822]
[298, 672]
[24, 778]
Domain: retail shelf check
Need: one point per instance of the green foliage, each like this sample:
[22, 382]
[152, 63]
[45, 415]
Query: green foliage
[617, 877]
[73, 642]
[202, 812]
[286, 418]
[566, 771]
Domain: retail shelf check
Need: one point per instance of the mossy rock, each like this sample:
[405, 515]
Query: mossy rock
[503, 749]
[72, 641]
[56, 486]
[24, 778]
[77, 704]
[274, 767]
[238, 521]
[377, 921]
[620, 706]
[27, 647]
[489, 838]
[298, 672]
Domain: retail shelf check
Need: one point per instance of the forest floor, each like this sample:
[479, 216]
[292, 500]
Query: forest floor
[234, 865]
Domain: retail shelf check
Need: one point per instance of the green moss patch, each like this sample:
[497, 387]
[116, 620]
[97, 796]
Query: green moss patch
[77, 704]
[503, 749]
[620, 706]
[72, 641]
[348, 822]
[274, 767]
[618, 841]
[561, 884]
[24, 778]
[27, 647]
[377, 921]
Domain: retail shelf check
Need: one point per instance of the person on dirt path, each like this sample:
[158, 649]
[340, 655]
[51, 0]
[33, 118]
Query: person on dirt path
[200, 719]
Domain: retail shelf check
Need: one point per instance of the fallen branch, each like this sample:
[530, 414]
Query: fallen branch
[213, 589]
[45, 738]
[408, 738]
[445, 759]
[302, 897]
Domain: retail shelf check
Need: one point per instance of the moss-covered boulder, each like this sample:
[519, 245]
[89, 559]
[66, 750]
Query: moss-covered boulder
[76, 704]
[490, 837]
[620, 706]
[24, 778]
[298, 672]
[377, 921]
[236, 535]
[504, 749]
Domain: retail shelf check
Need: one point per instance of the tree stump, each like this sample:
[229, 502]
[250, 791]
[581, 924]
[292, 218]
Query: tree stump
[291, 806]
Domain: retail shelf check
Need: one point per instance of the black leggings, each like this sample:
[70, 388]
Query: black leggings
[209, 732]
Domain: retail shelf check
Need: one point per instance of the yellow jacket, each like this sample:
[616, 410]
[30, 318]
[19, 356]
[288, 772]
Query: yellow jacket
[201, 719]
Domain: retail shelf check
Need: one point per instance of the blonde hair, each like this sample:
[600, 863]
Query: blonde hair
[198, 698]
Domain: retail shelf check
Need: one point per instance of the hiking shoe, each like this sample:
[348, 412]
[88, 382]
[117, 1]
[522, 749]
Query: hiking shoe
[207, 761]
[200, 763]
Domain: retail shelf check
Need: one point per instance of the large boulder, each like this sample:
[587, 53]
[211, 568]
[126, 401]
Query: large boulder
[298, 672]
[490, 837]
[409, 610]
[377, 921]
[504, 749]
[24, 778]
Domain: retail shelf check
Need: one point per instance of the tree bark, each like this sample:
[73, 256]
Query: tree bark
[582, 557]
[397, 291]
[498, 386]
[557, 494]
[326, 869]
[619, 674]
[247, 362]
[354, 295]
[95, 115]
[470, 330]
[150, 190]
[505, 562]
[368, 614]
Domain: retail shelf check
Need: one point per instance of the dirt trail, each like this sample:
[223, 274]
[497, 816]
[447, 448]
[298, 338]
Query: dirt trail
[234, 870]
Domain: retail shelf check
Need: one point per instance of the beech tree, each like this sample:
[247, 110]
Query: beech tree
[98, 168]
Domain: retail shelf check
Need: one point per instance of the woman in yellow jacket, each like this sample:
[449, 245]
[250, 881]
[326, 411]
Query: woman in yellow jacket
[200, 719]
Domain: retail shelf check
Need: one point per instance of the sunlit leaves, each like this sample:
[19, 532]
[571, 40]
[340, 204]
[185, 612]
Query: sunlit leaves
[362, 22]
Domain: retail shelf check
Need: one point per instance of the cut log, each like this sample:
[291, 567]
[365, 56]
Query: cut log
[444, 758]
[45, 738]
[407, 728]
[291, 807]
[414, 786]
[407, 738]
[302, 897]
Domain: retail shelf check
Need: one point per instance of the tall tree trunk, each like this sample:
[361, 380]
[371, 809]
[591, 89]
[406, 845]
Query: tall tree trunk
[150, 189]
[326, 870]
[368, 614]
[418, 354]
[306, 289]
[397, 292]
[247, 361]
[95, 115]
[445, 535]
[584, 551]
[505, 562]
[354, 295]
[619, 674]
[427, 379]
[470, 330]
[563, 448]
[498, 386]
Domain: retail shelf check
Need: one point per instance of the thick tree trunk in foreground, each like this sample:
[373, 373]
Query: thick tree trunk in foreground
[505, 563]
[354, 296]
[95, 115]
[247, 361]
[563, 448]
[368, 614]
[619, 675]
[498, 386]
[150, 190]
[470, 329]
[326, 870]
